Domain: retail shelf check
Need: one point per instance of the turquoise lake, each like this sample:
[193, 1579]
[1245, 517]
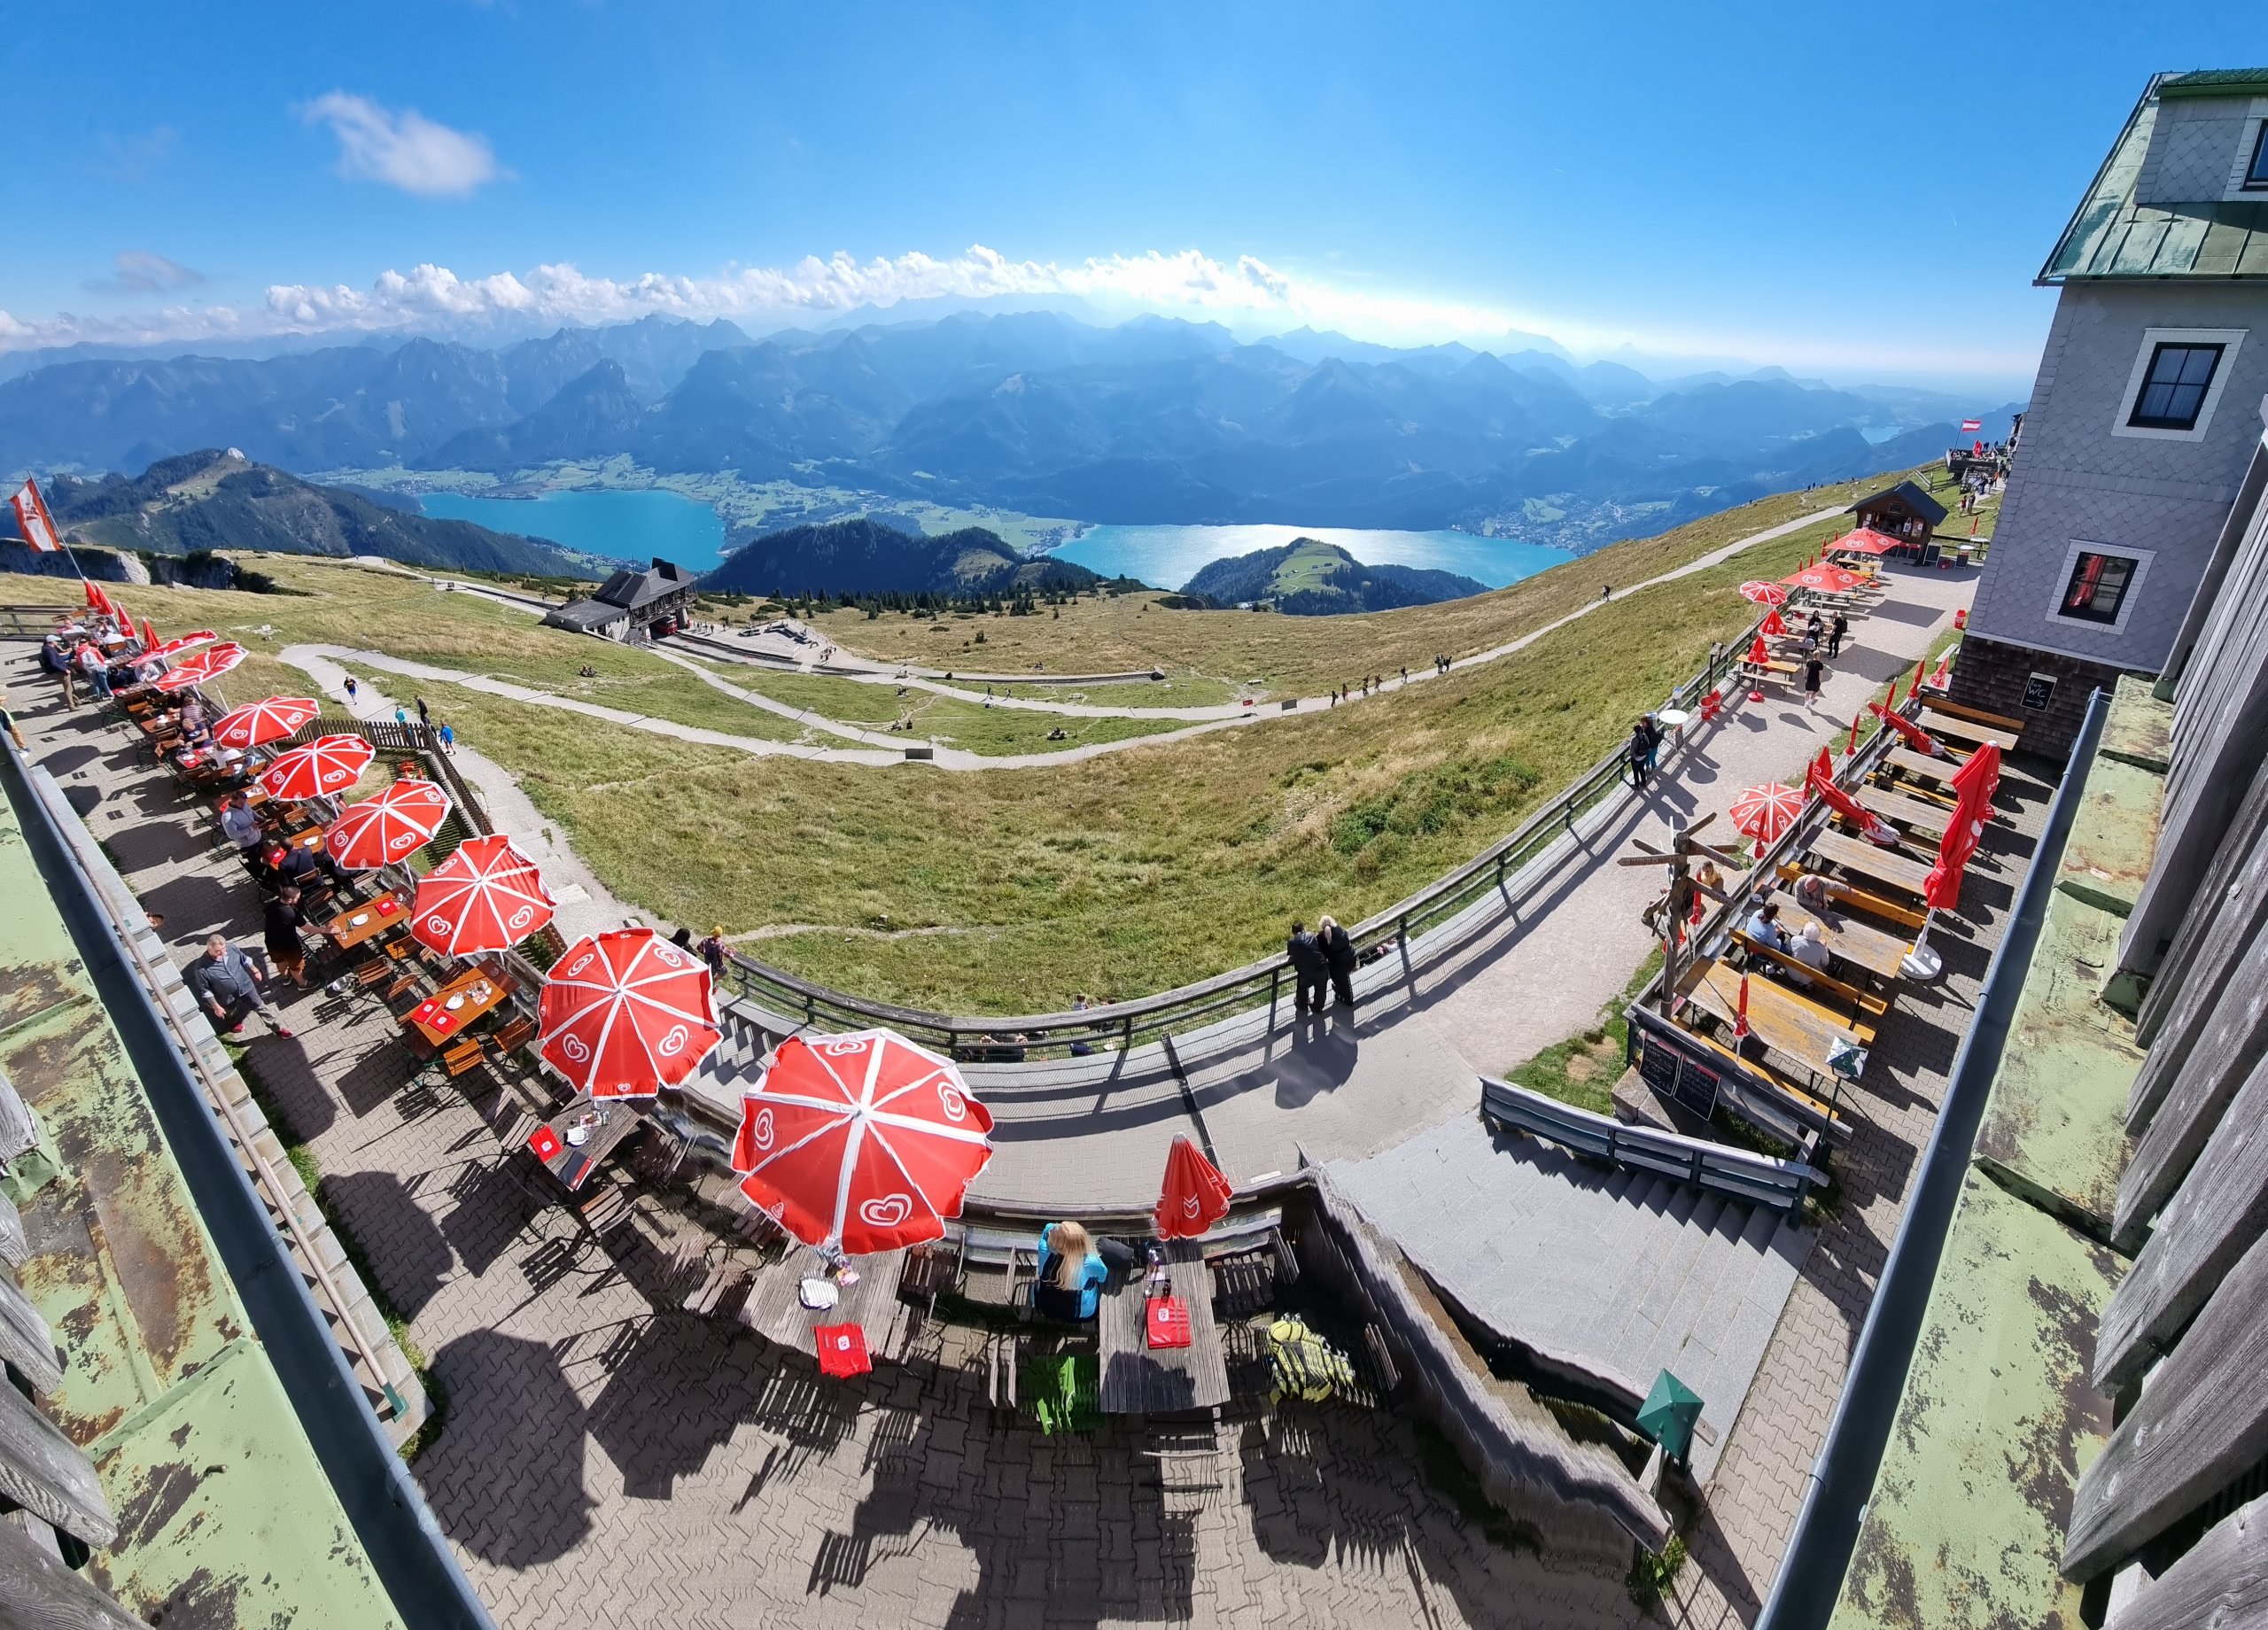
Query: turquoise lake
[627, 525]
[1169, 556]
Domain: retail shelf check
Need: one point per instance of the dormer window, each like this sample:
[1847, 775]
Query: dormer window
[2255, 173]
[2173, 391]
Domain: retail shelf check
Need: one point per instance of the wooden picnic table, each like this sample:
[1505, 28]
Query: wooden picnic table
[1786, 1022]
[774, 1307]
[1921, 766]
[573, 1163]
[1859, 944]
[1140, 1379]
[1862, 859]
[1959, 729]
[1925, 816]
[365, 921]
[474, 994]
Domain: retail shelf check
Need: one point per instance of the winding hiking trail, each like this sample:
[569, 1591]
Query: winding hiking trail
[879, 748]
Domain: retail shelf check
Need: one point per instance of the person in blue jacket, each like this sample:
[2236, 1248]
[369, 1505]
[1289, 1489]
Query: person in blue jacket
[1071, 1273]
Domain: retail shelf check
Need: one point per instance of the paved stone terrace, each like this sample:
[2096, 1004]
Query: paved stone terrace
[606, 1459]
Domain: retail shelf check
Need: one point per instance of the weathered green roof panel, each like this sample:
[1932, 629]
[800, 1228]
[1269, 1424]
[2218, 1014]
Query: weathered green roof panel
[2216, 83]
[226, 1516]
[2138, 728]
[2114, 836]
[1995, 1424]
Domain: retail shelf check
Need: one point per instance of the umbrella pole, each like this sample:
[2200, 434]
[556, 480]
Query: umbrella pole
[1920, 962]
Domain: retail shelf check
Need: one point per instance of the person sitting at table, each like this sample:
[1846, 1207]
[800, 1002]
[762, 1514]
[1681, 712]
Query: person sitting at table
[1810, 949]
[1763, 927]
[192, 721]
[1815, 893]
[1071, 1274]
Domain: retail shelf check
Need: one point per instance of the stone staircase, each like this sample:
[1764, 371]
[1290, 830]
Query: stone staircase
[1604, 1273]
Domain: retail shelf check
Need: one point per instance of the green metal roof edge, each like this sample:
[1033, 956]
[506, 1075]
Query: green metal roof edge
[2215, 82]
[2048, 276]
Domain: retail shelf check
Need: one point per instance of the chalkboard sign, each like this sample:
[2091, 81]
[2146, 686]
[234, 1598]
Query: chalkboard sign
[1697, 1089]
[2038, 690]
[1657, 1065]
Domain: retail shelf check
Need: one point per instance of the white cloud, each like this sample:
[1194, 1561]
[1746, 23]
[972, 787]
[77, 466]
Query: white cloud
[405, 149]
[140, 272]
[1246, 293]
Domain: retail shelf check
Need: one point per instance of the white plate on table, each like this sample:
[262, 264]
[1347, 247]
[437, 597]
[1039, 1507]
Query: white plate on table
[454, 1003]
[357, 920]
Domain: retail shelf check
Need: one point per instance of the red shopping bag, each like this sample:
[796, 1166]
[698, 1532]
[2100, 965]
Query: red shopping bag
[841, 1350]
[1168, 1318]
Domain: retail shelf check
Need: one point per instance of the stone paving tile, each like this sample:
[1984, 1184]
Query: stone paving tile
[608, 1460]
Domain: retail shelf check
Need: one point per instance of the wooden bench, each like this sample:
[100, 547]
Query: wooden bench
[1978, 716]
[1867, 1002]
[1953, 727]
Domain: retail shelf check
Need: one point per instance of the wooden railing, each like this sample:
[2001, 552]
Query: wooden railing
[30, 622]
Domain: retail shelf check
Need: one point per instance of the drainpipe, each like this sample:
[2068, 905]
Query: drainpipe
[1810, 1579]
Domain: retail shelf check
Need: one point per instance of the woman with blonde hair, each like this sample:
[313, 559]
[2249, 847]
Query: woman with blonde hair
[1071, 1273]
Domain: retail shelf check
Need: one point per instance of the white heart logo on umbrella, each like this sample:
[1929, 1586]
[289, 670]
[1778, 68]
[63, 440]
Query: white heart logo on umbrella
[668, 958]
[406, 840]
[1189, 1206]
[887, 1212]
[673, 1044]
[950, 1101]
[439, 924]
[575, 1048]
[523, 917]
[759, 1130]
[581, 962]
[844, 1050]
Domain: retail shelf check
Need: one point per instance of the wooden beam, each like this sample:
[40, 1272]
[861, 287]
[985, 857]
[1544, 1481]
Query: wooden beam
[44, 1472]
[38, 1593]
[2228, 940]
[2225, 1050]
[2210, 932]
[2220, 1208]
[2200, 1423]
[2217, 1584]
[24, 1339]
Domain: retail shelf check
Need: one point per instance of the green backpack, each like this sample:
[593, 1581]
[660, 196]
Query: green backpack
[1301, 1364]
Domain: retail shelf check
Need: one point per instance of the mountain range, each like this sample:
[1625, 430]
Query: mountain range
[215, 500]
[1155, 420]
[1305, 578]
[867, 557]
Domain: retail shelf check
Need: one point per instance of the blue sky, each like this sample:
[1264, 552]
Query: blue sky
[1784, 183]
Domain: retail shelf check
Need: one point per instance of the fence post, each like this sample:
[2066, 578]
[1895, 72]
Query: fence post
[1275, 976]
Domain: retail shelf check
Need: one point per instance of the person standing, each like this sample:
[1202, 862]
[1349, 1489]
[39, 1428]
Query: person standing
[1308, 968]
[1835, 635]
[242, 828]
[424, 713]
[8, 723]
[1641, 751]
[448, 741]
[352, 691]
[1812, 669]
[1655, 736]
[231, 989]
[1338, 956]
[712, 952]
[281, 921]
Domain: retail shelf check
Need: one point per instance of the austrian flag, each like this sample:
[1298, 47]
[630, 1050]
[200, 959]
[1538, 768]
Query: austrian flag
[1970, 427]
[33, 520]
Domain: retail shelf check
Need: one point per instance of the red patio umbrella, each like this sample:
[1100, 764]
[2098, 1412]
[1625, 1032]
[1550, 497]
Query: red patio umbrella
[1979, 778]
[860, 1142]
[626, 1013]
[326, 764]
[1740, 1016]
[271, 720]
[178, 644]
[1824, 579]
[1764, 593]
[486, 897]
[149, 637]
[1765, 812]
[1871, 827]
[1919, 739]
[389, 826]
[197, 669]
[1775, 624]
[1195, 1195]
[1863, 541]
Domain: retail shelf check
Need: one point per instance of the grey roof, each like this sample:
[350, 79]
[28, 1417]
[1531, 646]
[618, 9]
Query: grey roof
[2113, 236]
[1919, 502]
[583, 615]
[634, 590]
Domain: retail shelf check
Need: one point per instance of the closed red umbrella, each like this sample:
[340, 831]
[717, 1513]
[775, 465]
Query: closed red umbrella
[326, 764]
[1941, 888]
[149, 637]
[1195, 1195]
[199, 668]
[1919, 739]
[860, 1142]
[181, 642]
[1871, 827]
[1979, 778]
[626, 1013]
[486, 897]
[271, 720]
[1740, 1016]
[1764, 593]
[1765, 812]
[391, 825]
[1773, 625]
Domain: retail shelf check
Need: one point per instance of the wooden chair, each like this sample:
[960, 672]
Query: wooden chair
[464, 1056]
[513, 1035]
[372, 972]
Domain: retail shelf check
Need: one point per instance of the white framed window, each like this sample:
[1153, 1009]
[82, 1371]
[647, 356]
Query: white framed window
[2177, 379]
[2097, 586]
[2256, 169]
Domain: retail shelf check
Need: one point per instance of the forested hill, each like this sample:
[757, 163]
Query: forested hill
[1309, 579]
[867, 556]
[217, 500]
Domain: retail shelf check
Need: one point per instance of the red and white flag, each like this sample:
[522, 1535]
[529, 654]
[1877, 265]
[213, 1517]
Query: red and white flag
[33, 520]
[1970, 427]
